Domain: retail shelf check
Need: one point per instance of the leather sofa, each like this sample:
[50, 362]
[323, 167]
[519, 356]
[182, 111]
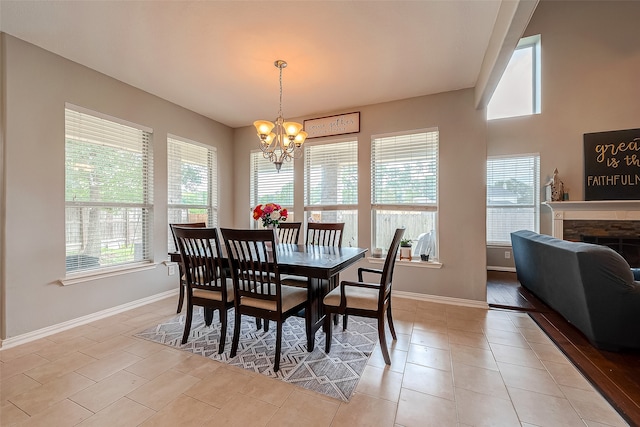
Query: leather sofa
[591, 286]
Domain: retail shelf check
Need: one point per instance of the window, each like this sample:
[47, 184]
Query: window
[331, 186]
[404, 189]
[108, 191]
[270, 186]
[518, 92]
[192, 184]
[513, 196]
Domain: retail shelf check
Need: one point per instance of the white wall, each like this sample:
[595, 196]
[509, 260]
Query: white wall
[590, 83]
[461, 187]
[36, 85]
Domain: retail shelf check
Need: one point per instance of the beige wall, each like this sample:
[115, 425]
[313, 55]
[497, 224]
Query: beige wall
[590, 83]
[461, 187]
[37, 84]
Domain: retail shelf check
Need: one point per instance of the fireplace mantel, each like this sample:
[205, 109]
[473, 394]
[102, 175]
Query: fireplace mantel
[605, 210]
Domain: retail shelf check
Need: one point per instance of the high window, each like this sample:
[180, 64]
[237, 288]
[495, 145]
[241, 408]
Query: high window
[518, 92]
[513, 196]
[404, 189]
[331, 185]
[270, 186]
[108, 191]
[192, 183]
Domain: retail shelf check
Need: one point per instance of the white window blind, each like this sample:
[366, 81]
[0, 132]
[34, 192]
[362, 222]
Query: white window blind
[404, 189]
[270, 186]
[108, 192]
[331, 186]
[513, 196]
[192, 184]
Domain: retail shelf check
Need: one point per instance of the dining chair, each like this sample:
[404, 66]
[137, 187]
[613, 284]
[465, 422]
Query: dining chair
[207, 284]
[258, 291]
[288, 232]
[365, 299]
[183, 283]
[319, 234]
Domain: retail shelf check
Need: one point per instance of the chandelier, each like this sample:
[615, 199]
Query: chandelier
[281, 140]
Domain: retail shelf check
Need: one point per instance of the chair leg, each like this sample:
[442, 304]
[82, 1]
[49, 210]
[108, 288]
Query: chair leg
[345, 318]
[327, 330]
[311, 337]
[258, 323]
[383, 341]
[236, 333]
[187, 324]
[181, 297]
[223, 330]
[266, 325]
[276, 364]
[390, 318]
[208, 316]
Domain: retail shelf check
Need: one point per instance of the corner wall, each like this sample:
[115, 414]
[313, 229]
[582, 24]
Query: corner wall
[590, 83]
[461, 187]
[37, 85]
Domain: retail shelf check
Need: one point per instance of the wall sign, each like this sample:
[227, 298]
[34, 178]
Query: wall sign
[612, 165]
[333, 125]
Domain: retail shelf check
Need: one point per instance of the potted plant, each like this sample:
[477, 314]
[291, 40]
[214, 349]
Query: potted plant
[405, 249]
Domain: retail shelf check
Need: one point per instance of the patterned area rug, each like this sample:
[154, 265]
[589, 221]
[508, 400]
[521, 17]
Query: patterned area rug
[335, 375]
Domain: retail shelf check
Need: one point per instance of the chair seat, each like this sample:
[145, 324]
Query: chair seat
[213, 294]
[360, 298]
[293, 280]
[291, 297]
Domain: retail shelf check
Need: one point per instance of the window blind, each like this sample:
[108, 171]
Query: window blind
[108, 192]
[192, 184]
[331, 174]
[513, 196]
[404, 169]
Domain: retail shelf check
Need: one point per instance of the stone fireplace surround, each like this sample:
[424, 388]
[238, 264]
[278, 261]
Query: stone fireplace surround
[615, 223]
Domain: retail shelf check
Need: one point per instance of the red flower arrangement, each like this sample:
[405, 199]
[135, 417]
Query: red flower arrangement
[270, 214]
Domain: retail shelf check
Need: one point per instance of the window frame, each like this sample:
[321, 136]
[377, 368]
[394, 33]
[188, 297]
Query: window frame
[535, 183]
[82, 134]
[254, 195]
[350, 237]
[376, 205]
[212, 185]
[533, 43]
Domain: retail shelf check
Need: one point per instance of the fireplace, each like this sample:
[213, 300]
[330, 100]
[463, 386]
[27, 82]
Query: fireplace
[614, 223]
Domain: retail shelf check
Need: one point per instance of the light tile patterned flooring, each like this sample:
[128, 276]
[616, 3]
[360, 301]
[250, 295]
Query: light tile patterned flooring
[451, 366]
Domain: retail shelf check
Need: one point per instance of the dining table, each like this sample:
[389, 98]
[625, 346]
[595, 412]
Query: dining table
[321, 264]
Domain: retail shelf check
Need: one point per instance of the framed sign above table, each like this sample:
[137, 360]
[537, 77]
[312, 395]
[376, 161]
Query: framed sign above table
[333, 125]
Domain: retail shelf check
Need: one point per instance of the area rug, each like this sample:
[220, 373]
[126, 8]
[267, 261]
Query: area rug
[335, 375]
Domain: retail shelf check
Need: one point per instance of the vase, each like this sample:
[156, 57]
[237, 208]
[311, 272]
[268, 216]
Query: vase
[275, 232]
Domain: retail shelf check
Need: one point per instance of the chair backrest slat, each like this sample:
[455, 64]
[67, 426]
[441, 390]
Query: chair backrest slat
[184, 225]
[325, 233]
[253, 263]
[288, 232]
[201, 255]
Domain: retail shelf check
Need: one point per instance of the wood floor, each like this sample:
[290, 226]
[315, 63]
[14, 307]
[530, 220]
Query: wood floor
[615, 375]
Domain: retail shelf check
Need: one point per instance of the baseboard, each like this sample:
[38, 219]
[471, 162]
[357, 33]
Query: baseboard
[496, 268]
[441, 299]
[54, 329]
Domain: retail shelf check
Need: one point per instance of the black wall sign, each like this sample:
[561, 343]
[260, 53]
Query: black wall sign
[612, 165]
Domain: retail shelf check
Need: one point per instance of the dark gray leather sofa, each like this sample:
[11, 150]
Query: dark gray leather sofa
[591, 286]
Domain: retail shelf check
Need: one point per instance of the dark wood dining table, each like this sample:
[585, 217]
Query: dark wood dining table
[321, 264]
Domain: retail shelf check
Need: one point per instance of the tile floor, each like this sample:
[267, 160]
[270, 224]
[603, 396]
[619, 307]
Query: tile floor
[451, 366]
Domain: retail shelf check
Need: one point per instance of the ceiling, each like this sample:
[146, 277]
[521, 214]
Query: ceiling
[216, 57]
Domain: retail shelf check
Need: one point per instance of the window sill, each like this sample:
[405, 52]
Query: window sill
[412, 263]
[87, 276]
